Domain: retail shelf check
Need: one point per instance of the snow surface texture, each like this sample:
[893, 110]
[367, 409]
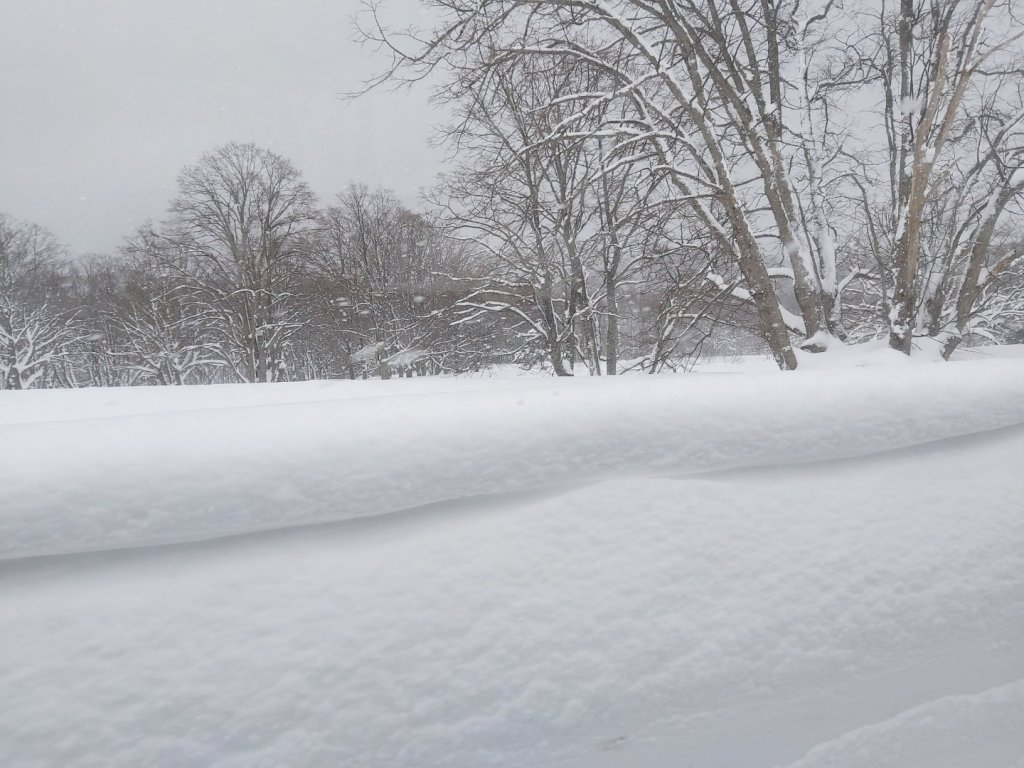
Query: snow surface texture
[692, 608]
[186, 474]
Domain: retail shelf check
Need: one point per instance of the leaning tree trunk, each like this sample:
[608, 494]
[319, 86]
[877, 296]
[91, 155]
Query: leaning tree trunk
[762, 292]
[971, 287]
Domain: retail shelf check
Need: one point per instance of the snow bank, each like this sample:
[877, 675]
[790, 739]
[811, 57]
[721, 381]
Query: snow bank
[866, 612]
[876, 353]
[964, 730]
[232, 467]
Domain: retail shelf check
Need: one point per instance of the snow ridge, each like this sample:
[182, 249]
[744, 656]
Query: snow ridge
[944, 732]
[178, 476]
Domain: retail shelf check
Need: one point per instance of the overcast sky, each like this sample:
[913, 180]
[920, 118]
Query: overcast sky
[103, 101]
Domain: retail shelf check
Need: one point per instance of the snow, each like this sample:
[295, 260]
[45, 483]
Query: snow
[1001, 352]
[367, 353]
[791, 319]
[237, 469]
[910, 105]
[407, 357]
[989, 721]
[815, 569]
[822, 340]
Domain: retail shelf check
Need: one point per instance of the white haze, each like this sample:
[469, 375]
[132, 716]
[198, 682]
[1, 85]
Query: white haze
[103, 102]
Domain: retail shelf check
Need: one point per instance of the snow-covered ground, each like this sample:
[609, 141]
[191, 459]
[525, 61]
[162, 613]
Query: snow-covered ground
[815, 569]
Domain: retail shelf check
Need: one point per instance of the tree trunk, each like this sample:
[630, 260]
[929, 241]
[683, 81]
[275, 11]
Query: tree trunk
[611, 350]
[547, 310]
[903, 313]
[762, 292]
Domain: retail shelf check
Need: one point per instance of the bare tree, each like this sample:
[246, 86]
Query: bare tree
[384, 278]
[934, 55]
[519, 197]
[704, 82]
[34, 330]
[234, 239]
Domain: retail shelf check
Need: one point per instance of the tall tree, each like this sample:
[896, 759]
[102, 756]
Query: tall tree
[234, 239]
[35, 330]
[935, 55]
[704, 81]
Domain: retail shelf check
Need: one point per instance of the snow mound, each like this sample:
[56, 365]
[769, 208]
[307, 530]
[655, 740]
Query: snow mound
[863, 612]
[187, 474]
[970, 729]
[869, 354]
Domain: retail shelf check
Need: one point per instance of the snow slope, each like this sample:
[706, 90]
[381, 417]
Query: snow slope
[824, 569]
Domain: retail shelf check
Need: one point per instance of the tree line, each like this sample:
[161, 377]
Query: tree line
[846, 170]
[631, 183]
[248, 280]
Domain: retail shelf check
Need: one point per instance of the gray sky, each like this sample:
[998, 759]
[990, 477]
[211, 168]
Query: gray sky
[103, 101]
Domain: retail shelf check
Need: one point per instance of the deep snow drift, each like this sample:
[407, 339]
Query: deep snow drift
[180, 469]
[665, 580]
